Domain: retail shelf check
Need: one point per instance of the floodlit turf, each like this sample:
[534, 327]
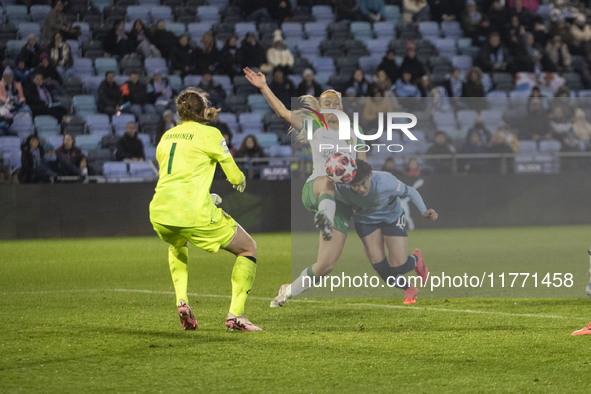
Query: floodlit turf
[98, 315]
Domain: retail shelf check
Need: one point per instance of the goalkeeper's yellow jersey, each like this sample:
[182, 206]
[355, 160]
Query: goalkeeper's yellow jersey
[187, 155]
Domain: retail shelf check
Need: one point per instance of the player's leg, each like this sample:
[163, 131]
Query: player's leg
[323, 190]
[396, 240]
[243, 274]
[178, 259]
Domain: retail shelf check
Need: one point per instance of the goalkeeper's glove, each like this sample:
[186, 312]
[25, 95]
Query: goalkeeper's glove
[240, 187]
[217, 200]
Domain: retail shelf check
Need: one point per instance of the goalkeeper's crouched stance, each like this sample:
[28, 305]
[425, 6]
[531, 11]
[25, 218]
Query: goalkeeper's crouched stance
[183, 210]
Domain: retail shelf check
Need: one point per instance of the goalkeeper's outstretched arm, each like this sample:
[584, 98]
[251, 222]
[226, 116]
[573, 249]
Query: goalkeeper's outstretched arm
[233, 173]
[258, 80]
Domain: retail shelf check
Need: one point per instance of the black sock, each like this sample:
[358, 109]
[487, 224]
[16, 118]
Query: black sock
[411, 263]
[385, 271]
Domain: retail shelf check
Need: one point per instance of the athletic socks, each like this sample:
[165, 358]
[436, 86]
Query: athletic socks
[327, 204]
[243, 275]
[300, 285]
[177, 262]
[385, 271]
[411, 263]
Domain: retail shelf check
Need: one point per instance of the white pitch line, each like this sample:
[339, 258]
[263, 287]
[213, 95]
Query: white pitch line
[365, 304]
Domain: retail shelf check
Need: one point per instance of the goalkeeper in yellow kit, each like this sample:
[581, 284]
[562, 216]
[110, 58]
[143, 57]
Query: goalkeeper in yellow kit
[182, 209]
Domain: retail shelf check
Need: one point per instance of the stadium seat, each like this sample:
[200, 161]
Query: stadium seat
[258, 103]
[384, 29]
[548, 146]
[573, 81]
[502, 81]
[8, 143]
[84, 30]
[38, 12]
[378, 46]
[322, 13]
[84, 104]
[155, 64]
[175, 83]
[446, 47]
[141, 168]
[361, 30]
[308, 48]
[145, 138]
[251, 123]
[369, 64]
[392, 13]
[22, 122]
[88, 141]
[462, 62]
[324, 65]
[175, 28]
[115, 168]
[55, 141]
[92, 83]
[13, 48]
[46, 124]
[26, 28]
[83, 67]
[452, 30]
[98, 121]
[197, 29]
[229, 119]
[292, 30]
[138, 12]
[316, 29]
[242, 28]
[16, 14]
[191, 80]
[161, 12]
[104, 64]
[122, 120]
[237, 103]
[208, 13]
[267, 140]
[429, 30]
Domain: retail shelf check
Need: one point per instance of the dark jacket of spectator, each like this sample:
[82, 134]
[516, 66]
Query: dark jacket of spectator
[228, 61]
[251, 53]
[164, 40]
[117, 41]
[33, 165]
[30, 53]
[69, 160]
[129, 147]
[182, 57]
[282, 87]
[314, 89]
[136, 93]
[411, 64]
[493, 56]
[109, 97]
[206, 57]
[42, 105]
[389, 65]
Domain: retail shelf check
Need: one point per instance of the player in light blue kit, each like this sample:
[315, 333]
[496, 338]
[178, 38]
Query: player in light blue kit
[379, 220]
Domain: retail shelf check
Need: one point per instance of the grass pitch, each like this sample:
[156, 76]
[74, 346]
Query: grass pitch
[98, 315]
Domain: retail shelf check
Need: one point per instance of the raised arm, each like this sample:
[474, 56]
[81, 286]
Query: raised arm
[417, 200]
[258, 80]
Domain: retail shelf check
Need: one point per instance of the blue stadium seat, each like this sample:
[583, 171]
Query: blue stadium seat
[429, 30]
[378, 46]
[251, 123]
[141, 168]
[176, 28]
[155, 64]
[527, 146]
[309, 48]
[148, 3]
[13, 48]
[26, 28]
[46, 124]
[444, 119]
[88, 141]
[446, 47]
[39, 12]
[316, 30]
[548, 146]
[115, 168]
[191, 80]
[322, 13]
[16, 14]
[97, 121]
[84, 30]
[55, 141]
[161, 12]
[175, 83]
[145, 138]
[83, 67]
[84, 104]
[92, 83]
[104, 64]
[258, 103]
[452, 30]
[369, 64]
[197, 29]
[324, 65]
[361, 30]
[9, 143]
[122, 120]
[242, 28]
[208, 13]
[138, 12]
[74, 48]
[22, 122]
[229, 119]
[392, 13]
[384, 29]
[292, 30]
[267, 140]
[462, 62]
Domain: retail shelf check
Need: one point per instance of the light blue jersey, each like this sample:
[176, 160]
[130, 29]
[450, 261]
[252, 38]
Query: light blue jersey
[381, 205]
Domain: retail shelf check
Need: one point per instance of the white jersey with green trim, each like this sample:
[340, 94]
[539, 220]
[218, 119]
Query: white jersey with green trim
[326, 142]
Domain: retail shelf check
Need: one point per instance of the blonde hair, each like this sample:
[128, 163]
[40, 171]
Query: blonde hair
[193, 105]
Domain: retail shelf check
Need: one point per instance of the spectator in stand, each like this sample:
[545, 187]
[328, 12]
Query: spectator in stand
[537, 120]
[163, 39]
[250, 148]
[389, 66]
[251, 53]
[558, 56]
[228, 61]
[404, 87]
[374, 105]
[514, 35]
[498, 15]
[182, 57]
[581, 127]
[34, 167]
[166, 123]
[116, 42]
[473, 86]
[51, 77]
[525, 15]
[139, 37]
[471, 19]
[56, 22]
[254, 10]
[135, 92]
[480, 130]
[454, 85]
[426, 87]
[61, 56]
[580, 36]
[70, 159]
[282, 87]
[207, 56]
[474, 145]
[445, 10]
[529, 58]
[159, 89]
[280, 11]
[130, 147]
[412, 168]
[440, 147]
[390, 166]
[540, 32]
[570, 144]
[12, 98]
[279, 54]
[382, 81]
[309, 86]
[359, 83]
[504, 135]
[415, 11]
[109, 95]
[30, 53]
[560, 123]
[21, 73]
[226, 132]
[373, 10]
[411, 63]
[531, 5]
[40, 100]
[217, 94]
[493, 56]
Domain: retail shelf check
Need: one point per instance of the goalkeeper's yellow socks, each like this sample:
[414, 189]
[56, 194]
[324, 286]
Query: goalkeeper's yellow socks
[243, 275]
[177, 262]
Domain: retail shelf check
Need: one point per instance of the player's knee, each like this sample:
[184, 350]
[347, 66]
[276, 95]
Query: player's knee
[323, 268]
[253, 247]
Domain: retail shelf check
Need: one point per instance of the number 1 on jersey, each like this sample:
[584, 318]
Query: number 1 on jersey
[171, 156]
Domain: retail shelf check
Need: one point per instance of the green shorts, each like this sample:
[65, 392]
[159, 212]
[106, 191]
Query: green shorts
[343, 212]
[217, 234]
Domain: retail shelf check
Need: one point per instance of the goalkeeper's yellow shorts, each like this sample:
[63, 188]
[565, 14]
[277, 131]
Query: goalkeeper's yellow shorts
[219, 233]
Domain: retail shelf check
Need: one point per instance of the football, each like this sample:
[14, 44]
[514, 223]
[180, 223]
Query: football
[341, 168]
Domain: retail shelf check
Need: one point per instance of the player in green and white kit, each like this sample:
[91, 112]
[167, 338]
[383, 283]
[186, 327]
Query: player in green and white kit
[318, 192]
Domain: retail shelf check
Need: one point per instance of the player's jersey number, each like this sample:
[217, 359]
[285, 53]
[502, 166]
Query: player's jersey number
[171, 157]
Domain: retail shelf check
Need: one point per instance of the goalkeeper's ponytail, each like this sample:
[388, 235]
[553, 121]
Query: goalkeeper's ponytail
[193, 106]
